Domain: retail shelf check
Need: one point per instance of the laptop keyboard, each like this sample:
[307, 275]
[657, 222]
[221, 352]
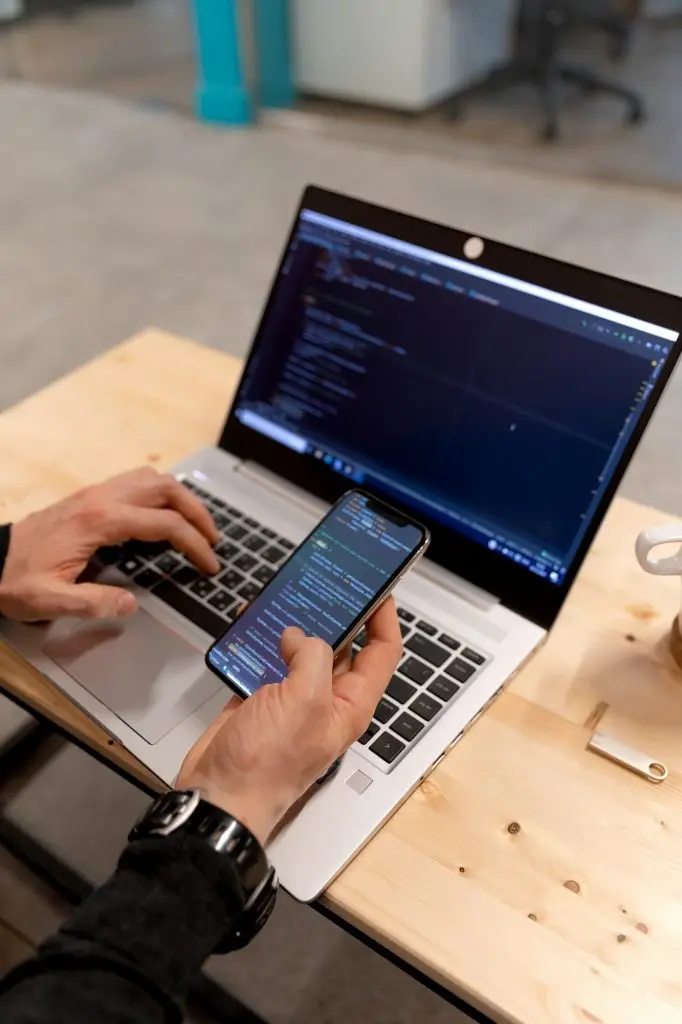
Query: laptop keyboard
[435, 668]
[250, 554]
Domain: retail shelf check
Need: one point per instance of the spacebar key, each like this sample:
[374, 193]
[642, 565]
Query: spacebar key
[191, 609]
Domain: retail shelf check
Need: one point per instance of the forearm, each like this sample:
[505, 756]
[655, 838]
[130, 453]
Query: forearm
[131, 951]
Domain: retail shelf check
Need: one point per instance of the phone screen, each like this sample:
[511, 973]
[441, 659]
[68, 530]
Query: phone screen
[353, 556]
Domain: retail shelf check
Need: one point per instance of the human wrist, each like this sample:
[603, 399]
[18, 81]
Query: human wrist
[7, 600]
[257, 812]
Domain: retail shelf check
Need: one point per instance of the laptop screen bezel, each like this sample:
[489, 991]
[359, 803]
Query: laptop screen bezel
[515, 586]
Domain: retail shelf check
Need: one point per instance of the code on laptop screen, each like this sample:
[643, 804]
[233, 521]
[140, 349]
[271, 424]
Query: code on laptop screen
[496, 408]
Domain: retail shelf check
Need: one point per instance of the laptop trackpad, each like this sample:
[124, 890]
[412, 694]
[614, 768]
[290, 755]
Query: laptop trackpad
[146, 674]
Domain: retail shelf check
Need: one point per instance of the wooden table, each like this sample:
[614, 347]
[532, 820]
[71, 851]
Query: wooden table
[527, 875]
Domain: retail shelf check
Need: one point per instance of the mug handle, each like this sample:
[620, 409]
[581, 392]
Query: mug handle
[650, 539]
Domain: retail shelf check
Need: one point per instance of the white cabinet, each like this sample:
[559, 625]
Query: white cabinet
[659, 8]
[398, 53]
[11, 9]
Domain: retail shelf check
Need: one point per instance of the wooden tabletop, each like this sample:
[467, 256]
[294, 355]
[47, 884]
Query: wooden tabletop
[528, 875]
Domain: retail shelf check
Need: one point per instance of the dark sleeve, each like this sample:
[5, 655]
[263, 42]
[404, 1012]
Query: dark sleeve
[4, 545]
[131, 951]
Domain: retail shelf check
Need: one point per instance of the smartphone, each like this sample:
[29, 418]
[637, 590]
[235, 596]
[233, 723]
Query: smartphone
[328, 587]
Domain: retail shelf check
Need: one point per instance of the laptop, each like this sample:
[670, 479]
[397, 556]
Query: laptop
[496, 395]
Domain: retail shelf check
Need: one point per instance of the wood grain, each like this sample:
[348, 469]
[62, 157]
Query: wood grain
[539, 880]
[153, 399]
[527, 874]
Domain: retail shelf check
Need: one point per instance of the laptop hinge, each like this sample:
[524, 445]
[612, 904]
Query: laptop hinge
[307, 501]
[468, 592]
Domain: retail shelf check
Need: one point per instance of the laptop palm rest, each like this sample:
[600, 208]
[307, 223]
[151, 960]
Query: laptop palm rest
[147, 675]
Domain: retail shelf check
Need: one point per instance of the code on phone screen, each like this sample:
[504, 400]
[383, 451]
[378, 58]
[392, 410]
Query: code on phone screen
[323, 588]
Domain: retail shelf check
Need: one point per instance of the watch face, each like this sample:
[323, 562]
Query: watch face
[171, 811]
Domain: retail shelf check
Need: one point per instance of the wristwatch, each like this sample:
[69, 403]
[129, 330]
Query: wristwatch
[186, 812]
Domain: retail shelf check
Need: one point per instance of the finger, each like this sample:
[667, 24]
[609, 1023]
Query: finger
[310, 662]
[85, 601]
[188, 505]
[384, 624]
[375, 664]
[167, 525]
[290, 643]
[343, 660]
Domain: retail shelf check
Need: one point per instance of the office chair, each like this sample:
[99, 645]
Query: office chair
[542, 28]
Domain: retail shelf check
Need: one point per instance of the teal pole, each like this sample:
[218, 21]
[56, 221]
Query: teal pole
[221, 94]
[273, 44]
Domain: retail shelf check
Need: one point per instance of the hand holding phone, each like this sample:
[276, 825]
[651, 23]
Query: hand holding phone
[328, 588]
[260, 756]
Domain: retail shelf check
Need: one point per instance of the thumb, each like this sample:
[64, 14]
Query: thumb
[87, 601]
[310, 662]
[292, 640]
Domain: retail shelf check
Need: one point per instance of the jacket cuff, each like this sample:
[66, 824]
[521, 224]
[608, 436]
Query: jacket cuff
[4, 545]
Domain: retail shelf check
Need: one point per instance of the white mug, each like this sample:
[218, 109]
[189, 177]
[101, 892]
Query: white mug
[648, 540]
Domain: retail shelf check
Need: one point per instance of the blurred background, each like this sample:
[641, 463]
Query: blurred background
[484, 78]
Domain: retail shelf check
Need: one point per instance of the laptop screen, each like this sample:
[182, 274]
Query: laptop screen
[492, 406]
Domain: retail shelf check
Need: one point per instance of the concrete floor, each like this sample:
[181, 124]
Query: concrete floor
[143, 51]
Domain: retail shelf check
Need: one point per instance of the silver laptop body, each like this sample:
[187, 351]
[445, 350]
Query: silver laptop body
[472, 392]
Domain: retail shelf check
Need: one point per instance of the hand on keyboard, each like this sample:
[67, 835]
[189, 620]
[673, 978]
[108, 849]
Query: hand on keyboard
[249, 554]
[49, 550]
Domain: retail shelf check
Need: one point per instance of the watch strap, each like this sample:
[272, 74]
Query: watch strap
[253, 918]
[186, 813]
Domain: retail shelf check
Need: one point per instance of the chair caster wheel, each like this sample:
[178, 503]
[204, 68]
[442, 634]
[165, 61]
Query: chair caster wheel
[636, 115]
[550, 133]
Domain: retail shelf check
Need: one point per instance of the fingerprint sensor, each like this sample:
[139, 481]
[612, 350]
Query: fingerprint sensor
[359, 782]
